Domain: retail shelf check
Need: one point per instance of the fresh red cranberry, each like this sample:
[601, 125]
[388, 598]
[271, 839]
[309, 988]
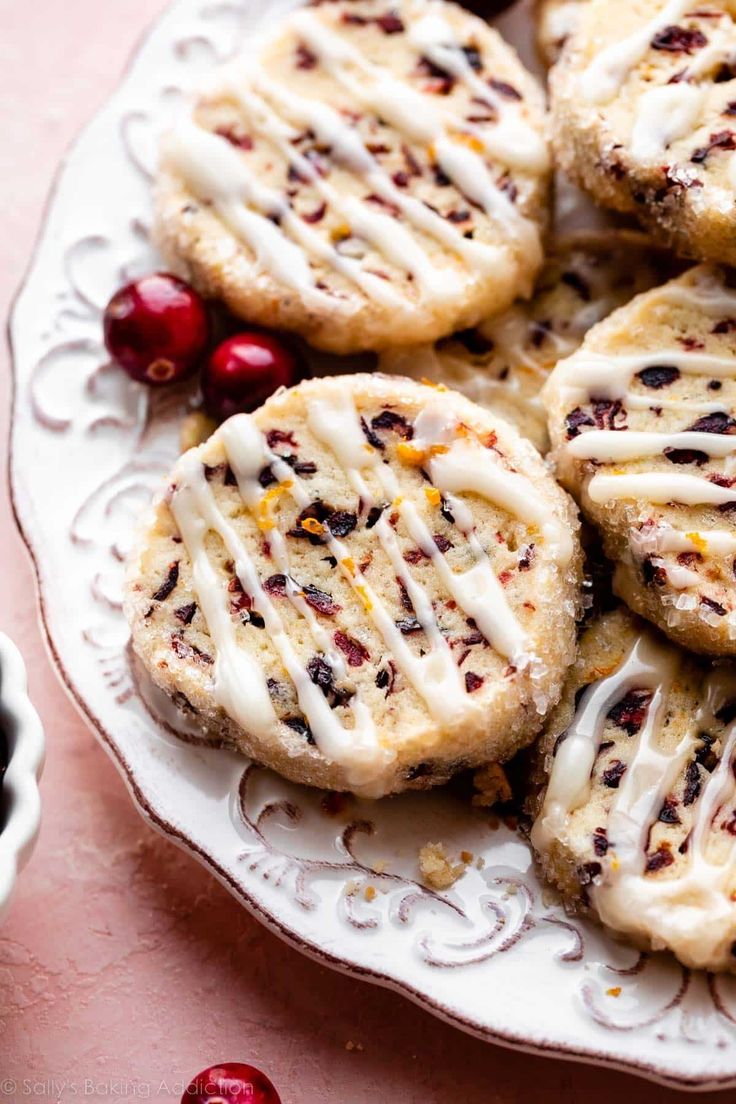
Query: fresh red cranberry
[243, 371]
[156, 328]
[231, 1083]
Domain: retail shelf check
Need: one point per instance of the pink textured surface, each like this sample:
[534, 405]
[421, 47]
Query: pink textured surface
[124, 968]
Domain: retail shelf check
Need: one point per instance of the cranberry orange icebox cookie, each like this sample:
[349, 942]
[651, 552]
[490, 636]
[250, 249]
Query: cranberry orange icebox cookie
[368, 174]
[636, 818]
[643, 113]
[367, 584]
[644, 436]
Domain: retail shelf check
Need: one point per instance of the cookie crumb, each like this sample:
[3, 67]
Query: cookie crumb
[436, 867]
[350, 1045]
[492, 786]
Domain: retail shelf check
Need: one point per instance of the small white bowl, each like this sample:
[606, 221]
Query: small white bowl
[20, 800]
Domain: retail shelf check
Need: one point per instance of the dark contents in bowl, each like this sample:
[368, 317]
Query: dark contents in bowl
[3, 768]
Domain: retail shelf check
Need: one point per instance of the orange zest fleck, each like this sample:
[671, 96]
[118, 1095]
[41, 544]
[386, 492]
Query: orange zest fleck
[265, 519]
[369, 892]
[615, 991]
[468, 140]
[416, 456]
[698, 541]
[434, 498]
[316, 528]
[349, 564]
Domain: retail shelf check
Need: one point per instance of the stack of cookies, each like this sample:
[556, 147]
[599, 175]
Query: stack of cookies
[376, 580]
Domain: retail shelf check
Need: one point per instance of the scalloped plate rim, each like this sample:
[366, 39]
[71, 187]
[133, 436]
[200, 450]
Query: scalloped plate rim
[653, 1071]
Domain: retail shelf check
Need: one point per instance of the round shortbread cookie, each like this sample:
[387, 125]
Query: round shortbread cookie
[504, 361]
[557, 21]
[366, 585]
[370, 174]
[643, 111]
[642, 425]
[636, 818]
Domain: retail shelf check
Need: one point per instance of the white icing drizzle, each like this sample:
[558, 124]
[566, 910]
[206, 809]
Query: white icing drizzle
[661, 488]
[663, 538]
[692, 912]
[239, 682]
[460, 468]
[417, 117]
[602, 79]
[609, 445]
[238, 677]
[386, 234]
[350, 153]
[647, 664]
[663, 115]
[477, 591]
[512, 140]
[215, 171]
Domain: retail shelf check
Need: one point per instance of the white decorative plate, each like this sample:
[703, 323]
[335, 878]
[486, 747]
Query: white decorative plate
[88, 447]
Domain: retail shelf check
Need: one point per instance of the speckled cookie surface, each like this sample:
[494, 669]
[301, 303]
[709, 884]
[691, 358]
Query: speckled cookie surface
[643, 109]
[636, 817]
[556, 22]
[369, 174]
[503, 362]
[643, 431]
[366, 585]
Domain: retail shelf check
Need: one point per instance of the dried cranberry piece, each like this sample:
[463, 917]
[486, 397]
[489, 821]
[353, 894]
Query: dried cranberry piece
[658, 376]
[172, 578]
[305, 59]
[724, 139]
[374, 514]
[275, 585]
[371, 437]
[185, 650]
[575, 420]
[718, 422]
[341, 523]
[185, 614]
[321, 674]
[276, 437]
[600, 841]
[504, 89]
[393, 423]
[613, 775]
[679, 40]
[661, 858]
[668, 812]
[355, 652]
[473, 682]
[320, 600]
[630, 712]
[693, 783]
[712, 604]
[443, 544]
[390, 23]
[473, 57]
[686, 456]
[300, 726]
